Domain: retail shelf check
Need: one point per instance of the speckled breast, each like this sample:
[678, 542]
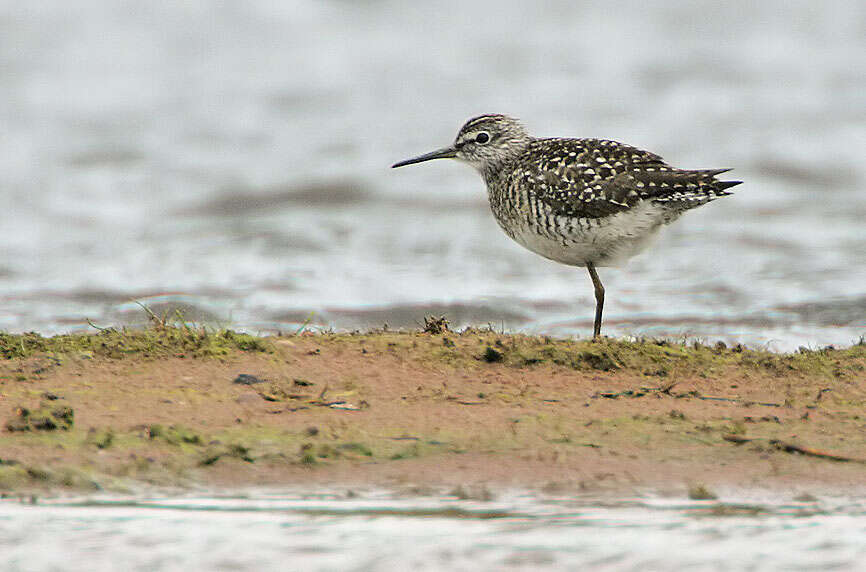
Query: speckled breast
[604, 241]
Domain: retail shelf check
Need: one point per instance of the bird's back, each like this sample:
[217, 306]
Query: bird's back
[580, 192]
[593, 178]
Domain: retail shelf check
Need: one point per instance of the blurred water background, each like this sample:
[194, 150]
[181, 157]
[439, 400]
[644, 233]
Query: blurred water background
[383, 530]
[231, 159]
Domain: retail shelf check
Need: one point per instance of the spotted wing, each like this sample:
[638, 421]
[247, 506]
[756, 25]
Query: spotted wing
[591, 178]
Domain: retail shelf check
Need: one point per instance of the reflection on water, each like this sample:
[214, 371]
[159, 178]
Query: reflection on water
[233, 158]
[380, 530]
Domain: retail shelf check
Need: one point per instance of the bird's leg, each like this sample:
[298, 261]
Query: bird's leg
[599, 300]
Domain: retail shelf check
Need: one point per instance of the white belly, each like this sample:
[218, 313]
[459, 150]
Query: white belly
[609, 241]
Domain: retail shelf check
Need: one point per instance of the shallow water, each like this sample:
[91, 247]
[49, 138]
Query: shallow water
[231, 160]
[380, 530]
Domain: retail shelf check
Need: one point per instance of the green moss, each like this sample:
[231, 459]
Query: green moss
[660, 358]
[73, 478]
[233, 450]
[701, 492]
[657, 358]
[46, 418]
[100, 438]
[174, 434]
[327, 452]
[491, 355]
[13, 477]
[737, 428]
[19, 476]
[147, 342]
[358, 448]
[409, 452]
[650, 357]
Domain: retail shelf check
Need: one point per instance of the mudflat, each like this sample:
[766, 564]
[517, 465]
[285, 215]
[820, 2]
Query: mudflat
[183, 407]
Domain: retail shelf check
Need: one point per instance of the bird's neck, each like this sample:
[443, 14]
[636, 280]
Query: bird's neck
[491, 170]
[491, 173]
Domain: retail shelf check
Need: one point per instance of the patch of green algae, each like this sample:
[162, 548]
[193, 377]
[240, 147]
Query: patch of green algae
[146, 342]
[468, 348]
[649, 357]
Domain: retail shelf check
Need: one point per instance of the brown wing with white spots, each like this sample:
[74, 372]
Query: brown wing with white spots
[592, 178]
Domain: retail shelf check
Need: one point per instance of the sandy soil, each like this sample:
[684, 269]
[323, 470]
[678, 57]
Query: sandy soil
[415, 409]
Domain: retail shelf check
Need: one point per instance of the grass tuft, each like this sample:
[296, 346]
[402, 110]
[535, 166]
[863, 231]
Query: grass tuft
[155, 341]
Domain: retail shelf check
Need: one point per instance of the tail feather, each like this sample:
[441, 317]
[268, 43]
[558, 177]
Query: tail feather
[722, 185]
[686, 189]
[710, 172]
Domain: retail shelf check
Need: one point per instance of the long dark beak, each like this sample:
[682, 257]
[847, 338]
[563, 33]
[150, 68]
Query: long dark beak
[443, 153]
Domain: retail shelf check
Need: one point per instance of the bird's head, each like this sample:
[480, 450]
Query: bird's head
[485, 142]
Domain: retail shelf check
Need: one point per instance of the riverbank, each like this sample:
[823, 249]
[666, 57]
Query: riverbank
[181, 407]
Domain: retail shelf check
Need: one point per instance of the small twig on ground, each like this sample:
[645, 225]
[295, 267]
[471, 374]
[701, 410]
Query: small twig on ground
[306, 323]
[161, 322]
[735, 400]
[792, 448]
[666, 390]
[92, 325]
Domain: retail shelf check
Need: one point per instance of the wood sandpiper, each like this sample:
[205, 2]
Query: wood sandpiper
[581, 202]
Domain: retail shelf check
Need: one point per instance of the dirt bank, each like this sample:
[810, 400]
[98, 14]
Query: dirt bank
[170, 406]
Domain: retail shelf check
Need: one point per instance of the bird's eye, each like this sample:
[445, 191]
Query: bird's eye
[482, 137]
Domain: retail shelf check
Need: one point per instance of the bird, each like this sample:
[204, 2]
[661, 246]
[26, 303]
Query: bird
[581, 202]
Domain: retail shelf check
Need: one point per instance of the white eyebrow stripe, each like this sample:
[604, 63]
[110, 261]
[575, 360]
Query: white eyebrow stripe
[470, 137]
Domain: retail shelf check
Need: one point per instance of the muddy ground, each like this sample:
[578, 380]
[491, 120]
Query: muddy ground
[176, 407]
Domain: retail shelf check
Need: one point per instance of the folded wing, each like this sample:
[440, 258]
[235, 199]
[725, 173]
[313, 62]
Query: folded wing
[594, 178]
